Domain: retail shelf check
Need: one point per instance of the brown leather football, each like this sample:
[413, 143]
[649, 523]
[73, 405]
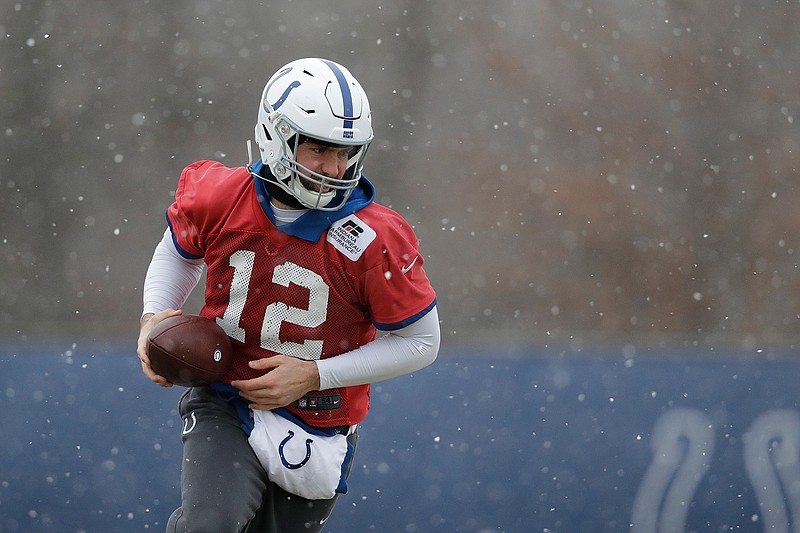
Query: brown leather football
[189, 350]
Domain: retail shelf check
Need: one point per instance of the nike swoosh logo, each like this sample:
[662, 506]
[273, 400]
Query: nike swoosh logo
[407, 268]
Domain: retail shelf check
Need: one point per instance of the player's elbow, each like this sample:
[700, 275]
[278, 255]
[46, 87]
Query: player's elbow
[426, 347]
[428, 338]
[429, 356]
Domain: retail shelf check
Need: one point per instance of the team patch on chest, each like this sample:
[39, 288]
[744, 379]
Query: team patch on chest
[351, 236]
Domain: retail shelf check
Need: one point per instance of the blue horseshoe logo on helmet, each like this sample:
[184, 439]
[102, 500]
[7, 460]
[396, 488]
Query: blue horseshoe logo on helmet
[282, 99]
[295, 84]
[286, 463]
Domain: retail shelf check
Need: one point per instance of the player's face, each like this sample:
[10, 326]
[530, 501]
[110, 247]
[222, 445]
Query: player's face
[330, 161]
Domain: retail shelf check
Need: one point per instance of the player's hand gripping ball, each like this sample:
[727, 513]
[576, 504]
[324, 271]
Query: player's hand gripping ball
[189, 350]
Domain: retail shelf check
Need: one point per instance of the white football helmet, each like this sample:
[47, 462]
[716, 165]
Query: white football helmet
[317, 99]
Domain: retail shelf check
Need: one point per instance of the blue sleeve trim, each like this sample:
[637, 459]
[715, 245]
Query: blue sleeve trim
[407, 322]
[181, 251]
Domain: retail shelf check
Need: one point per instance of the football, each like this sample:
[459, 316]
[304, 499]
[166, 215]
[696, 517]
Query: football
[189, 350]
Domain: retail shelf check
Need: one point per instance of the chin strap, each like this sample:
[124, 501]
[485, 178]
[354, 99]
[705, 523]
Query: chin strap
[269, 181]
[281, 195]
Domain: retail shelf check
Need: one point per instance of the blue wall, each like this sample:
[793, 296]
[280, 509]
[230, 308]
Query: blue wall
[471, 444]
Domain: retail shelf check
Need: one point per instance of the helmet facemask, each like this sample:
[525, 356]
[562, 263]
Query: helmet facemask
[312, 189]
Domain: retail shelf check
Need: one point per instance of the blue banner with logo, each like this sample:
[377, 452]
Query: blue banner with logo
[674, 442]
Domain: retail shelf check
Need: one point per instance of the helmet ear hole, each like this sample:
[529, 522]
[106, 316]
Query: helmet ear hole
[266, 132]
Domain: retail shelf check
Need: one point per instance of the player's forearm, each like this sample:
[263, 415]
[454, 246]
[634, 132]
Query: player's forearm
[400, 352]
[170, 278]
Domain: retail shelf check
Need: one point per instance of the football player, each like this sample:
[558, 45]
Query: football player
[304, 269]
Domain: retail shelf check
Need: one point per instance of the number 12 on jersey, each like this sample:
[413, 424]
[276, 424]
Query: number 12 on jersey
[276, 313]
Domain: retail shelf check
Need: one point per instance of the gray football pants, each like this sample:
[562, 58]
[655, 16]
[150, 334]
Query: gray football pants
[224, 488]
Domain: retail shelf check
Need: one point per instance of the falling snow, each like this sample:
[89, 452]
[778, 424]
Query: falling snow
[597, 184]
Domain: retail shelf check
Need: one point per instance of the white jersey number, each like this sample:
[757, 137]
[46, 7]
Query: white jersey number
[277, 312]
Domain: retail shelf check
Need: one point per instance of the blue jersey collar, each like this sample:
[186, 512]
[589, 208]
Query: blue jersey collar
[313, 223]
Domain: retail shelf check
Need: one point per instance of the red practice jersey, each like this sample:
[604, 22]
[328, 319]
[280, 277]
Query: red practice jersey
[274, 293]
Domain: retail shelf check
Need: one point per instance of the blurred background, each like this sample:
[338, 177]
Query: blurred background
[590, 181]
[580, 174]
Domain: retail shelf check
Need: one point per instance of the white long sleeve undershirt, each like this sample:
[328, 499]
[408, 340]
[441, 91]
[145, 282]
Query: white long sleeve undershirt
[399, 352]
[171, 278]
